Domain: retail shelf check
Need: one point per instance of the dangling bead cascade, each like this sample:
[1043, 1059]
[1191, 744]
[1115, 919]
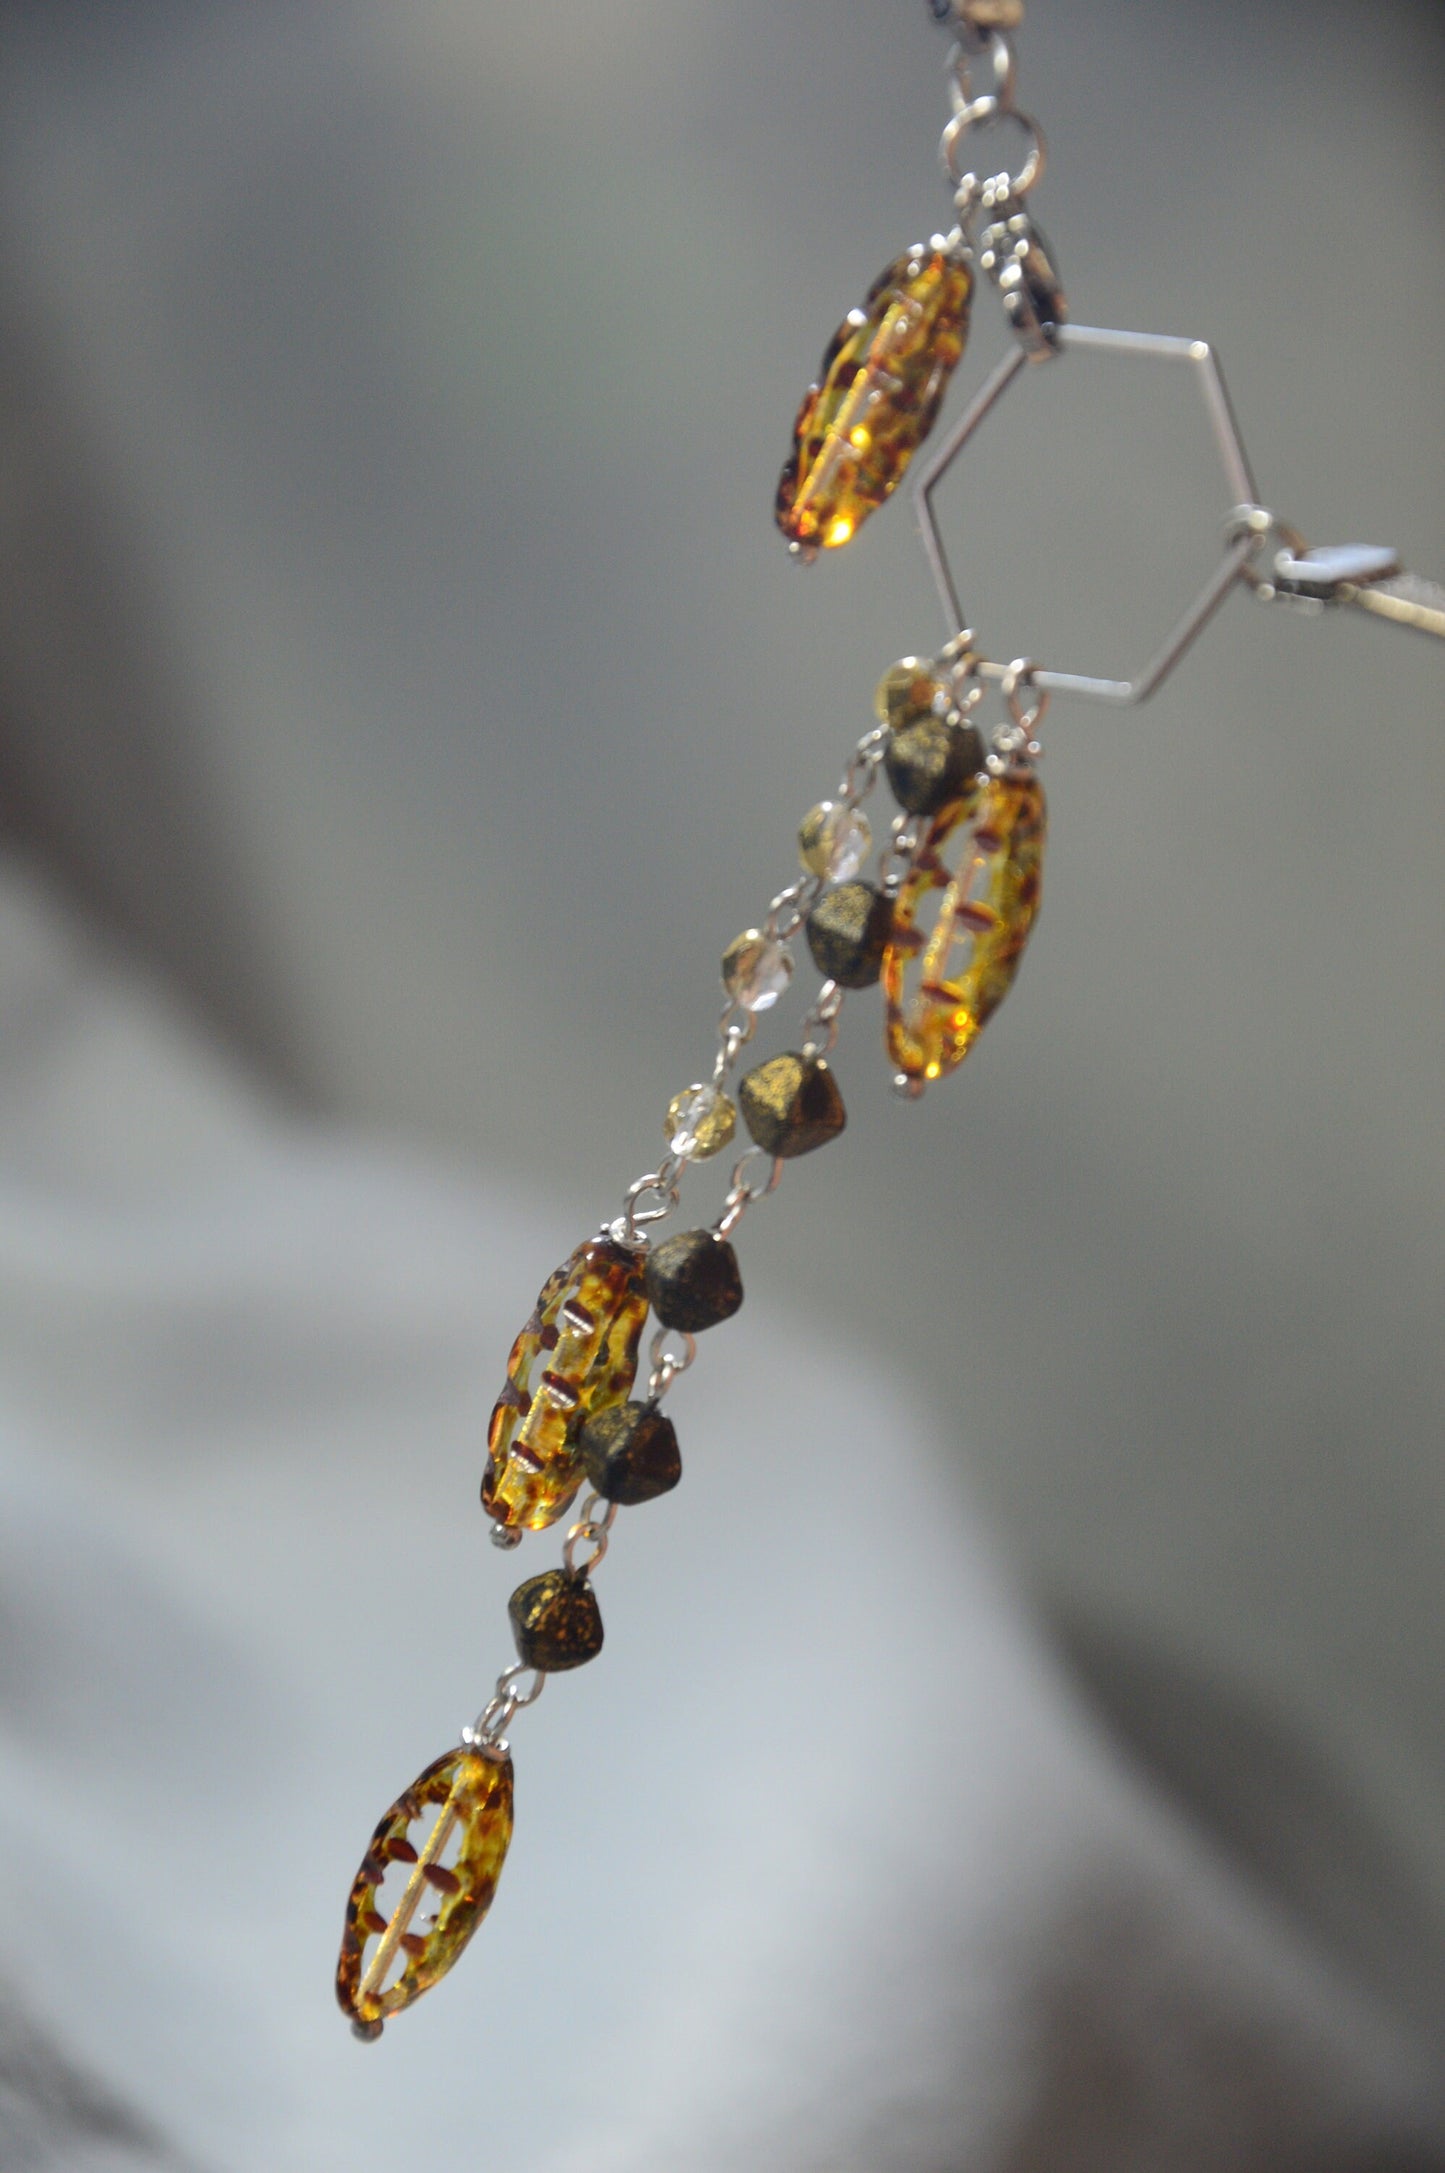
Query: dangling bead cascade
[968, 840]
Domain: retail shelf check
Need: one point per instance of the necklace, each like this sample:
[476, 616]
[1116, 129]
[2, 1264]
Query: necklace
[943, 924]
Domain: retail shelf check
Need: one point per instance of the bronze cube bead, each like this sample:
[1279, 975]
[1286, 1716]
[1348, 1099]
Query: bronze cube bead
[693, 1281]
[931, 762]
[556, 1621]
[848, 933]
[791, 1105]
[630, 1453]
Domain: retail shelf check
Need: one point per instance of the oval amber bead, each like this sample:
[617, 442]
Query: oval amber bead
[576, 1355]
[880, 386]
[473, 1800]
[943, 984]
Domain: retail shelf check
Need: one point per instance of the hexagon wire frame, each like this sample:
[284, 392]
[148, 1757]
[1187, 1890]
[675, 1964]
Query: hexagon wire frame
[1151, 346]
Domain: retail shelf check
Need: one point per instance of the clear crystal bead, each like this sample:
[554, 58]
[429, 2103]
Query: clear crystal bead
[834, 841]
[755, 970]
[700, 1121]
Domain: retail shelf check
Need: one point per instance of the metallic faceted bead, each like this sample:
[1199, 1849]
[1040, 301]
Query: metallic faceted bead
[834, 841]
[630, 1453]
[908, 690]
[848, 933]
[756, 970]
[944, 981]
[700, 1121]
[471, 1795]
[882, 380]
[791, 1105]
[693, 1281]
[933, 761]
[576, 1355]
[556, 1621]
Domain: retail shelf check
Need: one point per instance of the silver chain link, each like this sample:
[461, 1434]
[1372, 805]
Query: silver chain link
[742, 1192]
[487, 1732]
[590, 1530]
[976, 111]
[670, 1353]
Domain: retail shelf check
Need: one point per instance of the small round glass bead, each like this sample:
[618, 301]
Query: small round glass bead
[756, 971]
[834, 841]
[700, 1121]
[909, 689]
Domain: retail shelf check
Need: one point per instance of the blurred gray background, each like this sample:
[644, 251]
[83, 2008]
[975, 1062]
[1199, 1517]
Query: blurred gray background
[397, 653]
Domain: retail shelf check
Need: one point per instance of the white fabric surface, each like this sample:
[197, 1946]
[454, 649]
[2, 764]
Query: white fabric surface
[816, 1867]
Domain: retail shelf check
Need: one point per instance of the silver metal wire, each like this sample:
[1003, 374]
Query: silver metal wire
[1200, 357]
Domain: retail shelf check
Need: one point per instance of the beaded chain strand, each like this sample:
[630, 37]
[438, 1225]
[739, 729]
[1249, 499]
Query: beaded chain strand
[942, 924]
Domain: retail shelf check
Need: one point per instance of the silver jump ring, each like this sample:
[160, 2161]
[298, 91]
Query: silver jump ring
[670, 1353]
[1015, 185]
[635, 1216]
[1021, 674]
[507, 1684]
[1000, 54]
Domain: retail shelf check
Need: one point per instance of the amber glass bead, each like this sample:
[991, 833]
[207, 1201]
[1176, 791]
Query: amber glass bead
[791, 1105]
[576, 1355]
[847, 933]
[472, 1797]
[943, 985]
[556, 1621]
[933, 761]
[880, 385]
[693, 1281]
[630, 1453]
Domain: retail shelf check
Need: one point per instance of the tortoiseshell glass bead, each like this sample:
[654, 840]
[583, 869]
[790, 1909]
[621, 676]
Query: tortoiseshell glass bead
[881, 382]
[944, 985]
[630, 1453]
[693, 1281]
[847, 933]
[576, 1355]
[473, 1799]
[556, 1621]
[791, 1105]
[932, 761]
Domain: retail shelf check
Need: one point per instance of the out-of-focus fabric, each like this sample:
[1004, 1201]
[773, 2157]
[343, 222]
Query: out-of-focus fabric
[818, 1865]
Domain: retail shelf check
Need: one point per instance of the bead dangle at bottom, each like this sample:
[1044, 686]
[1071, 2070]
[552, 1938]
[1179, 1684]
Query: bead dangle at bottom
[943, 924]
